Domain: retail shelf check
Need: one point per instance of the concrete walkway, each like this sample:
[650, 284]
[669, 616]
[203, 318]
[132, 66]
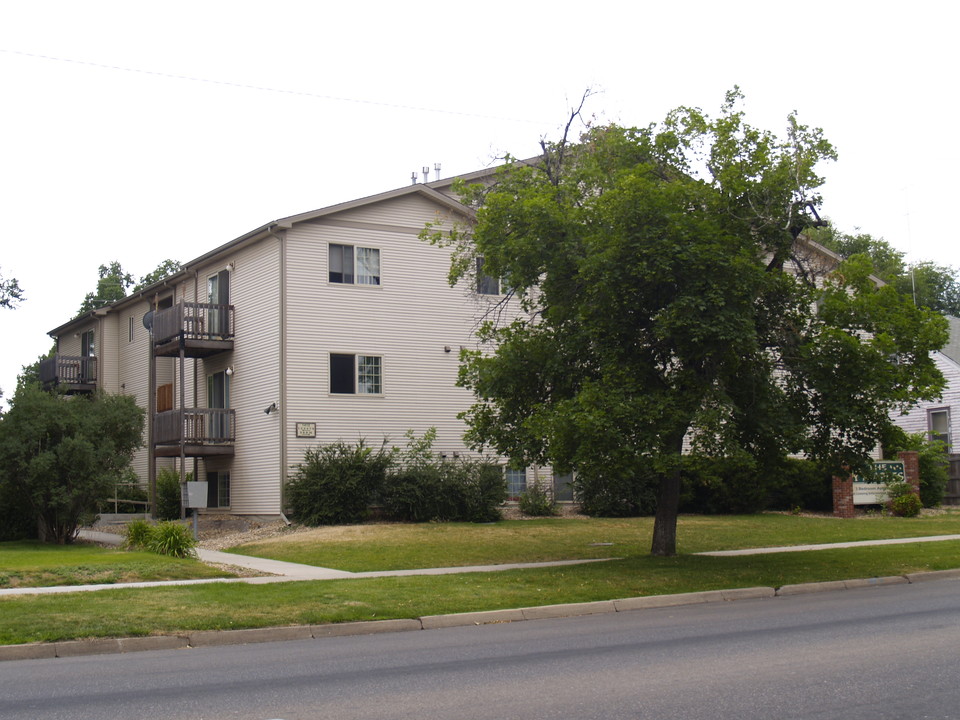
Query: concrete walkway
[280, 571]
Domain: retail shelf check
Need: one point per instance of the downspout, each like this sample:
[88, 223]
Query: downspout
[282, 374]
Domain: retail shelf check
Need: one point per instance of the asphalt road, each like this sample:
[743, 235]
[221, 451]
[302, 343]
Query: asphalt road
[876, 653]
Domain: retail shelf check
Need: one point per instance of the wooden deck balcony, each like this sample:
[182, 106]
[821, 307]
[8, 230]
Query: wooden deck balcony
[201, 329]
[204, 432]
[71, 373]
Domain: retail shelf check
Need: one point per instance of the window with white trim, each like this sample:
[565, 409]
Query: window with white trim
[352, 265]
[938, 425]
[516, 482]
[356, 374]
[486, 284]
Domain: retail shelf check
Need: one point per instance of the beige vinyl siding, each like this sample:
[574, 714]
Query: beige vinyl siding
[132, 374]
[408, 321]
[915, 421]
[255, 383]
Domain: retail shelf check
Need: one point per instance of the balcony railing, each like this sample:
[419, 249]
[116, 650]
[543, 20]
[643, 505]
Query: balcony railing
[196, 321]
[73, 372]
[203, 431]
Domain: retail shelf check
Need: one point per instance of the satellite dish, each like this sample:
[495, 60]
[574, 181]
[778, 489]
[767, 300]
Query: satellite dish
[148, 320]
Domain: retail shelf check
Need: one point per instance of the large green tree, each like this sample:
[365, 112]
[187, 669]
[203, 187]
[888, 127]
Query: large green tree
[668, 302]
[59, 455]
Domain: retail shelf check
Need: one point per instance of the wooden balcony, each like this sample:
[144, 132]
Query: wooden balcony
[201, 329]
[204, 432]
[70, 373]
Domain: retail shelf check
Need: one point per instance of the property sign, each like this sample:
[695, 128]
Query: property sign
[874, 490]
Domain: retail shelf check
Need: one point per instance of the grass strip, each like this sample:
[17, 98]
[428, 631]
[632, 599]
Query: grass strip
[34, 564]
[360, 548]
[131, 612]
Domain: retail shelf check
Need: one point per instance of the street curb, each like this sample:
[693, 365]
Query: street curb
[209, 638]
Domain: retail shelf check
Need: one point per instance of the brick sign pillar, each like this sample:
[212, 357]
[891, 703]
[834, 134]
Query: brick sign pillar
[911, 469]
[843, 496]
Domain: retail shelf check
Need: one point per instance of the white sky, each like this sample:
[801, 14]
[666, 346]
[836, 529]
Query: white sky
[138, 131]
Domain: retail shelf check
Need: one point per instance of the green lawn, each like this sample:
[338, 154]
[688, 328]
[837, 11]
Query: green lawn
[132, 612]
[33, 564]
[359, 548]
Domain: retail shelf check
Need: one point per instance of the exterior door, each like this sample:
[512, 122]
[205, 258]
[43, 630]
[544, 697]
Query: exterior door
[218, 293]
[218, 398]
[88, 353]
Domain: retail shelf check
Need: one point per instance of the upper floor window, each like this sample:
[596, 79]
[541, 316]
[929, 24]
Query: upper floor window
[356, 374]
[487, 284]
[352, 265]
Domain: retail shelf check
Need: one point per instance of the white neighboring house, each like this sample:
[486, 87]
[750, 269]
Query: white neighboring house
[333, 324]
[940, 419]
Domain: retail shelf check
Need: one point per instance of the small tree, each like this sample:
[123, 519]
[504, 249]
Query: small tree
[60, 455]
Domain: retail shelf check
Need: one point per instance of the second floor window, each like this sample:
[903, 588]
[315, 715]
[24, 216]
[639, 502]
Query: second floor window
[356, 374]
[352, 265]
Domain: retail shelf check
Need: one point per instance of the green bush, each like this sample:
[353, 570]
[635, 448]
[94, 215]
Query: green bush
[16, 520]
[932, 459]
[714, 486]
[797, 483]
[169, 493]
[462, 490]
[337, 483]
[535, 501]
[906, 505]
[137, 534]
[171, 538]
[609, 495]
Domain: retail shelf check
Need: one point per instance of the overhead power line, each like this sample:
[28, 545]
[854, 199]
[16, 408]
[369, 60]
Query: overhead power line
[264, 88]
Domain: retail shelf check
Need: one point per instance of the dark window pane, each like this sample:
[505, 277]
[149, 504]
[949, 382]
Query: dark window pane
[342, 374]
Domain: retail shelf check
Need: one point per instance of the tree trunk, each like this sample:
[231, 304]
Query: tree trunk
[665, 522]
[668, 503]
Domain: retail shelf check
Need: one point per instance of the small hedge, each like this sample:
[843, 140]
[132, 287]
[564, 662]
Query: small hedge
[339, 483]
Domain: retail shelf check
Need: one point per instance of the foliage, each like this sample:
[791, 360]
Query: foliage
[169, 494]
[535, 501]
[163, 270]
[337, 483]
[112, 285]
[617, 494]
[426, 487]
[662, 289]
[137, 534]
[10, 293]
[798, 483]
[729, 485]
[933, 461]
[171, 538]
[903, 502]
[931, 285]
[60, 455]
[126, 487]
[16, 520]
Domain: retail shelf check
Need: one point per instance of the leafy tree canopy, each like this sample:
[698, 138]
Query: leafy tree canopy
[930, 284]
[163, 270]
[112, 285]
[59, 455]
[667, 301]
[10, 293]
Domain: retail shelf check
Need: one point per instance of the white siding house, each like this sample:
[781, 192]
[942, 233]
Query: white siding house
[940, 419]
[334, 324]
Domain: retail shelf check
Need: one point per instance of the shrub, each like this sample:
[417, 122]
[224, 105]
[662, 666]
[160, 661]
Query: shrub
[337, 483]
[171, 538]
[617, 495]
[933, 462]
[713, 486]
[462, 490]
[535, 501]
[16, 520]
[137, 534]
[903, 502]
[797, 483]
[169, 493]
